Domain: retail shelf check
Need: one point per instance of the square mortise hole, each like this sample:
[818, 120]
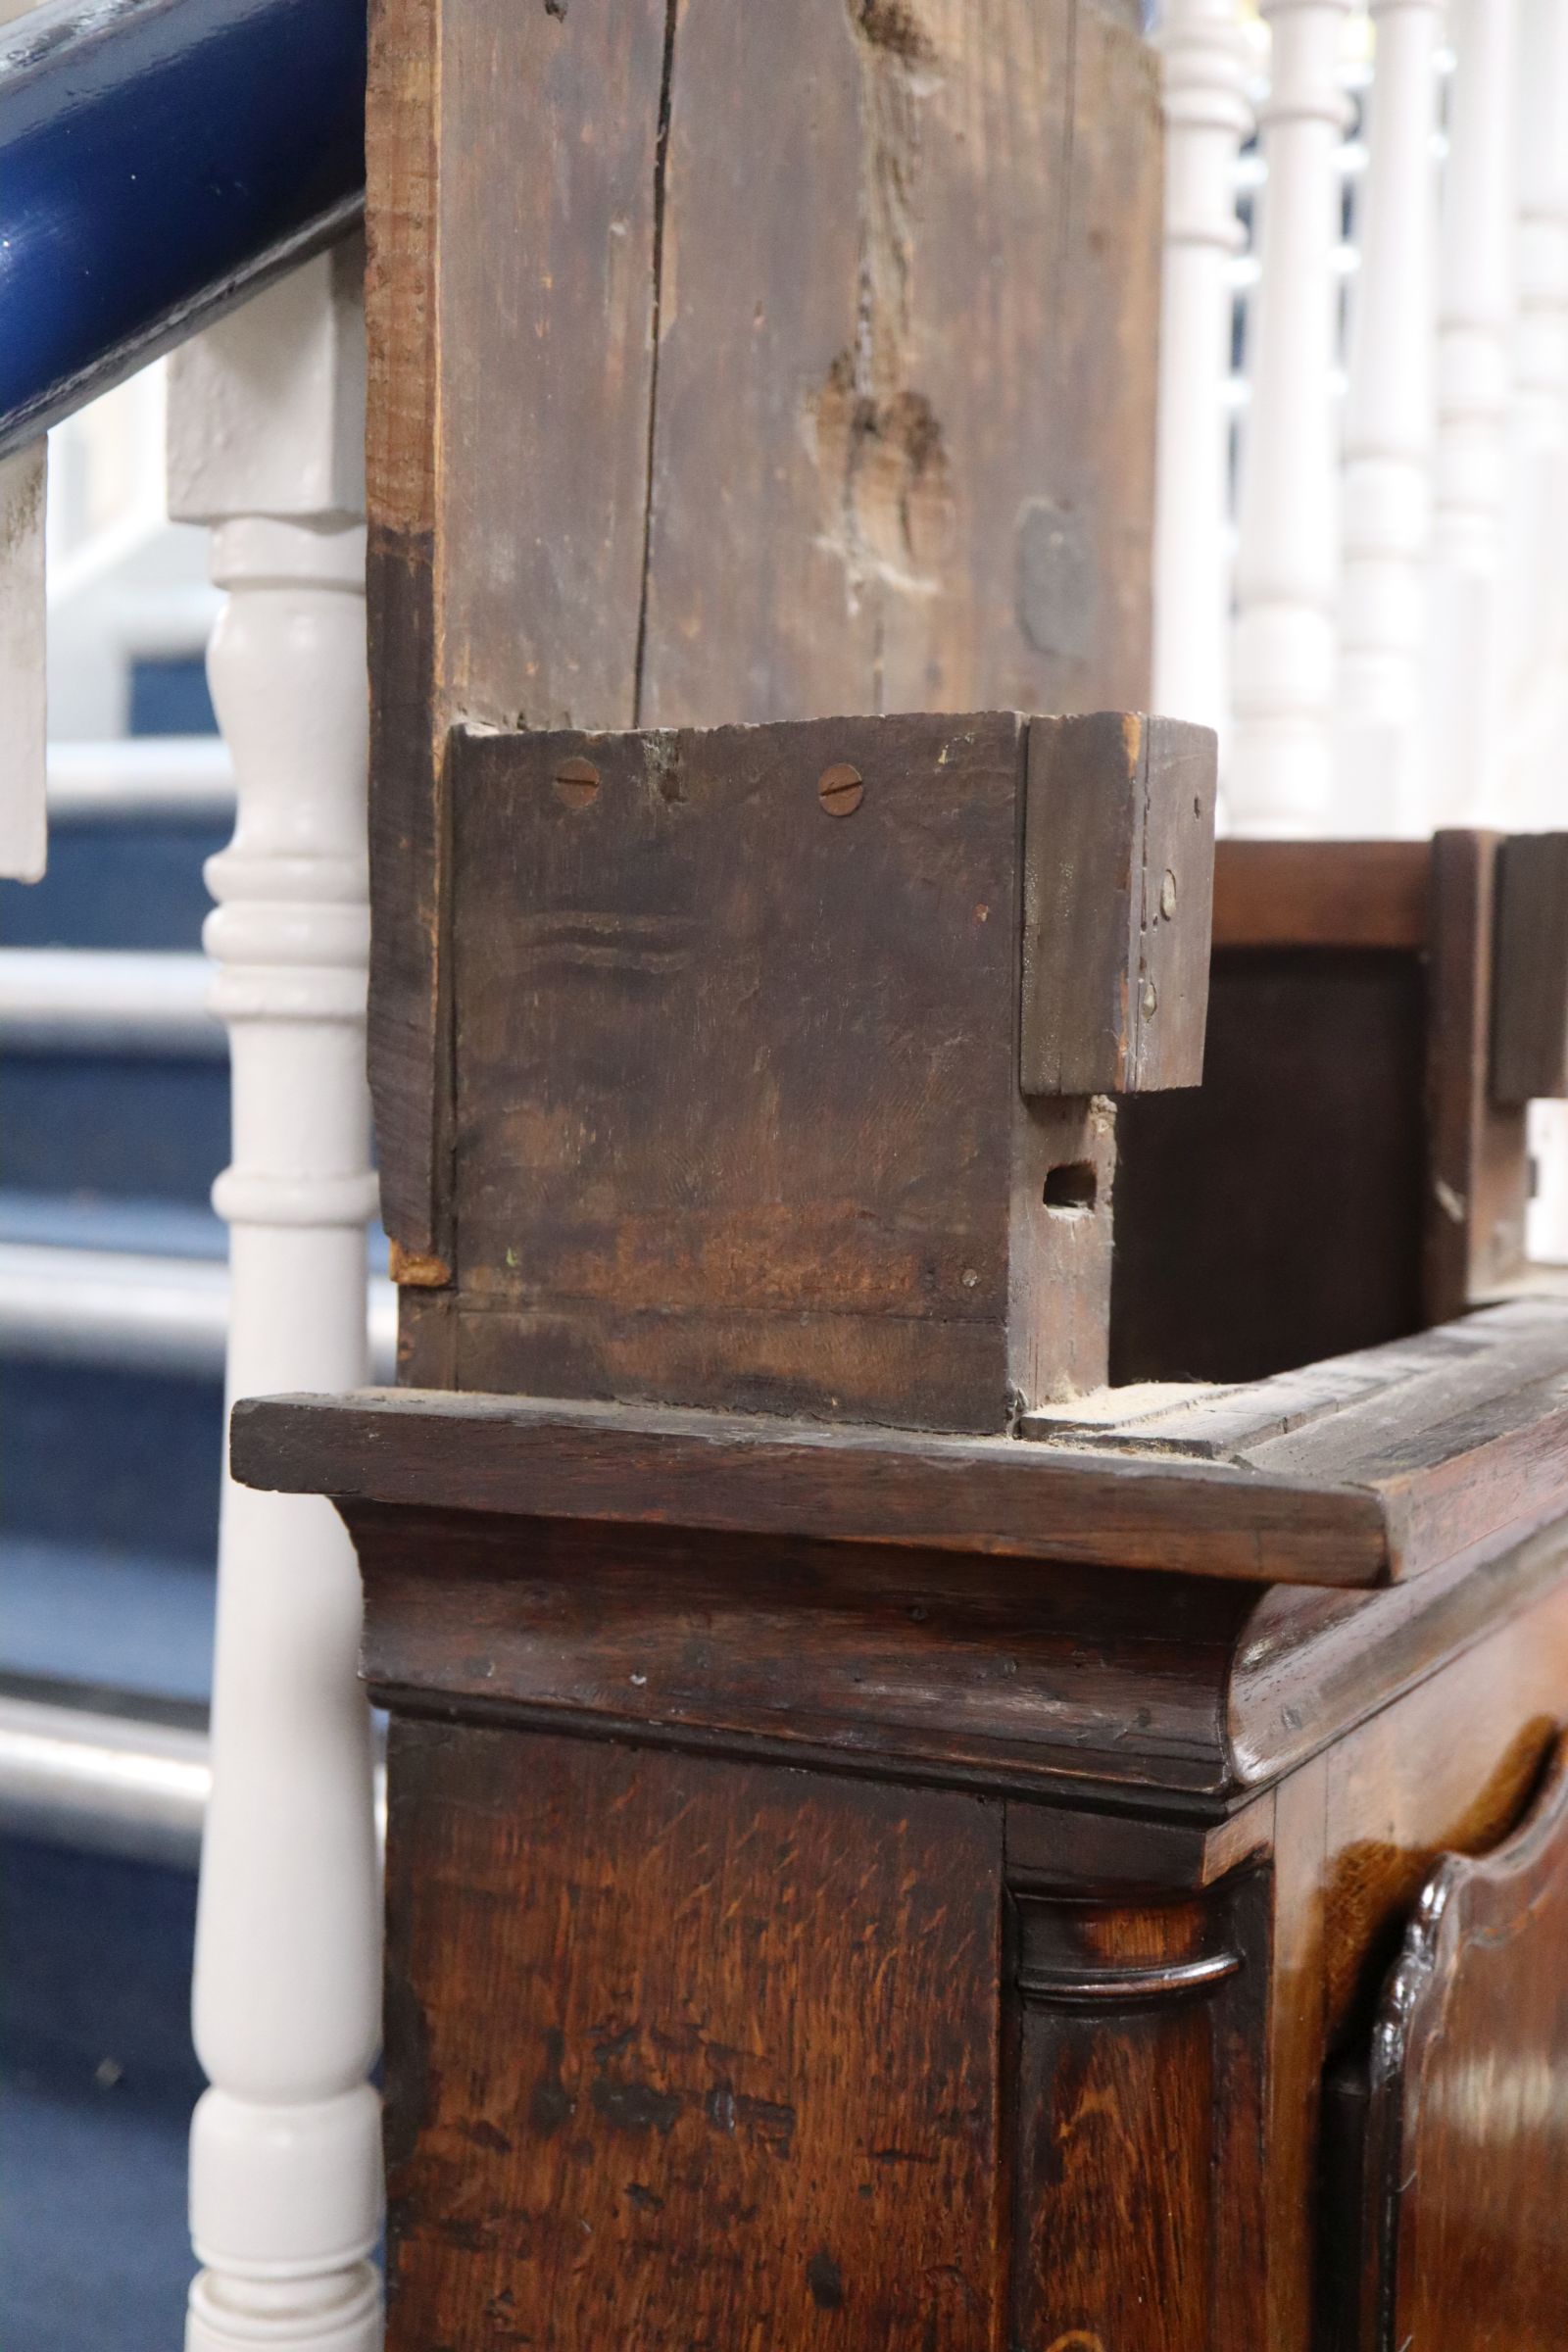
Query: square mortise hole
[1070, 1190]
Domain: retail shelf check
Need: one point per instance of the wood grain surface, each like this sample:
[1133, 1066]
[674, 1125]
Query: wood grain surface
[1463, 2243]
[695, 402]
[1439, 1446]
[1530, 1005]
[682, 2053]
[738, 1117]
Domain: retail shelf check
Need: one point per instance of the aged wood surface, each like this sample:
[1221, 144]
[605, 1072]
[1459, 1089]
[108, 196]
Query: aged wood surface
[737, 1066]
[1478, 1167]
[873, 1655]
[687, 2053]
[692, 398]
[1321, 894]
[639, 1464]
[1294, 1229]
[1448, 1767]
[1462, 2170]
[1117, 890]
[1138, 2193]
[1463, 1441]
[954, 491]
[1347, 1174]
[1080, 2051]
[1530, 1008]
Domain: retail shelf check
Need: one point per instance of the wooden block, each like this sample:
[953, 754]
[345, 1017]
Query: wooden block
[737, 1110]
[1529, 987]
[1117, 896]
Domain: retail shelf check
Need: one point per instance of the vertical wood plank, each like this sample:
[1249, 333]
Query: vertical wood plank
[935, 402]
[406, 1082]
[685, 2052]
[549, 200]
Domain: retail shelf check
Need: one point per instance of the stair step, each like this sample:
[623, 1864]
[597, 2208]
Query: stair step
[100, 2079]
[106, 1307]
[105, 1125]
[74, 1616]
[141, 780]
[132, 825]
[140, 1228]
[102, 1001]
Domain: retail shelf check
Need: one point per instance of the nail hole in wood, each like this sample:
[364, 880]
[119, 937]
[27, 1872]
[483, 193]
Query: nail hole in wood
[1071, 1188]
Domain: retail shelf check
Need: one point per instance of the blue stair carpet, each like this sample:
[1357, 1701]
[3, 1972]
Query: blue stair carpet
[97, 2081]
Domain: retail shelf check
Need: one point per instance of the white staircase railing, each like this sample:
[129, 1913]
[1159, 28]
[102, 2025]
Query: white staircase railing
[1396, 560]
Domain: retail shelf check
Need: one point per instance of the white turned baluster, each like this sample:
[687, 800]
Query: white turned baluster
[1475, 319]
[265, 424]
[1388, 428]
[1207, 117]
[1280, 771]
[23, 838]
[1534, 628]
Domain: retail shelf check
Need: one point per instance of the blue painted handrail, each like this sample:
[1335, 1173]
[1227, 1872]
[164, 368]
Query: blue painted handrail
[159, 161]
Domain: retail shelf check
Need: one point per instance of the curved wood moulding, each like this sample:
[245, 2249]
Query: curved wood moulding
[1467, 2118]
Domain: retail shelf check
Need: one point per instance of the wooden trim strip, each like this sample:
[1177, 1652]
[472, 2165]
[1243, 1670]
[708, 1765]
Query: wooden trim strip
[989, 1496]
[1322, 893]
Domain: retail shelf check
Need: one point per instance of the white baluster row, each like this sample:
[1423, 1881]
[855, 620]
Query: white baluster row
[1390, 417]
[1399, 599]
[266, 440]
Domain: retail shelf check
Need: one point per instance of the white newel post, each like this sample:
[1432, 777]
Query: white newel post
[264, 445]
[1280, 774]
[1475, 321]
[1389, 418]
[1207, 117]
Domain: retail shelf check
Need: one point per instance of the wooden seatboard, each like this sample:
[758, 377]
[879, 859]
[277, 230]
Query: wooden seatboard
[1391, 1465]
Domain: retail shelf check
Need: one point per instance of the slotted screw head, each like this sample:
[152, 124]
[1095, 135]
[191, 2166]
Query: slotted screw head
[840, 789]
[577, 782]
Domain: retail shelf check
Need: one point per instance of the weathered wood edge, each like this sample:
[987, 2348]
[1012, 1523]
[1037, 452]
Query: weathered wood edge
[543, 1458]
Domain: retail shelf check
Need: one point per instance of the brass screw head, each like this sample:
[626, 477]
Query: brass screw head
[577, 782]
[840, 789]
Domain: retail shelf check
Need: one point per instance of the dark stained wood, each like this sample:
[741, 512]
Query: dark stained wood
[1118, 887]
[1462, 2174]
[1346, 1175]
[737, 1106]
[1293, 1229]
[684, 2054]
[638, 1464]
[1530, 1008]
[871, 1658]
[1138, 2182]
[1478, 1166]
[1320, 894]
[1463, 1439]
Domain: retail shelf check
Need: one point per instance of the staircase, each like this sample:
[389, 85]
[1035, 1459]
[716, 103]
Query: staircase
[114, 1121]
